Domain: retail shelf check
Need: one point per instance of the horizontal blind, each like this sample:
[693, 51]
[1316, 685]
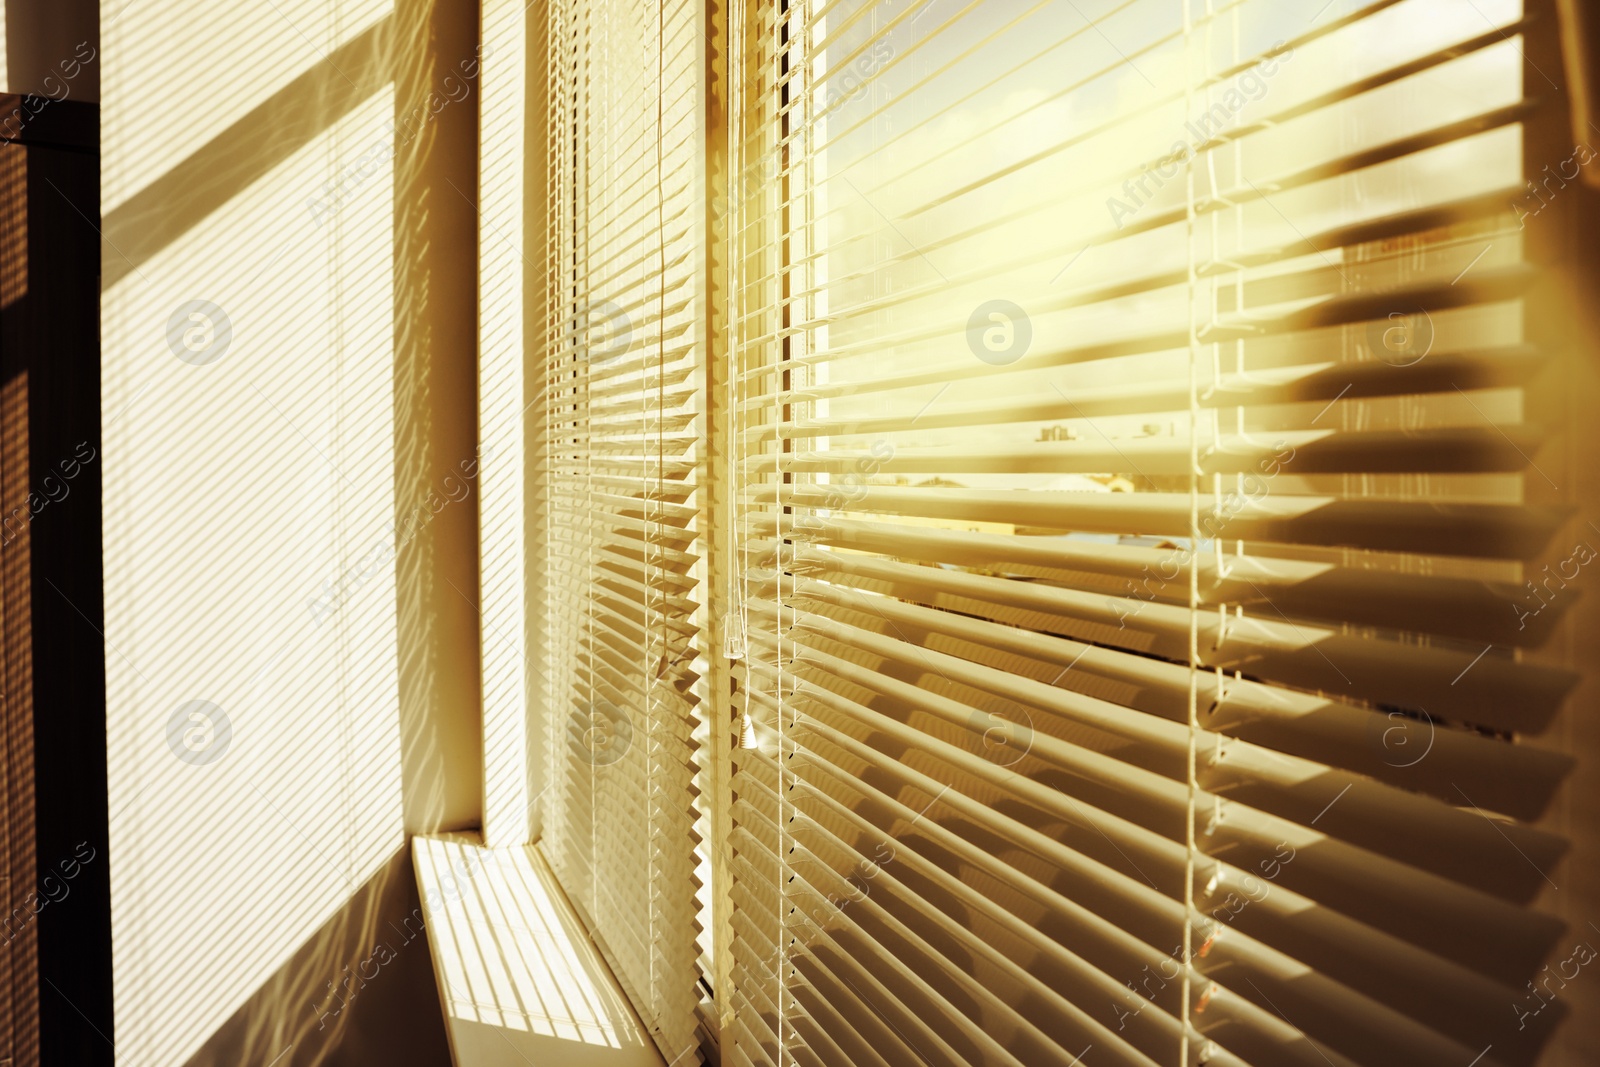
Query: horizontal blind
[620, 447]
[1130, 459]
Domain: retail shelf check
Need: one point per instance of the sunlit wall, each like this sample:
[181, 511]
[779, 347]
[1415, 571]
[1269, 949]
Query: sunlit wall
[248, 414]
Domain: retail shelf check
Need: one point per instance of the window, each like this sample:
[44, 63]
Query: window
[1129, 620]
[620, 445]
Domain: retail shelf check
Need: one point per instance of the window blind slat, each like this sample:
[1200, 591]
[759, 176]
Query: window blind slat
[1515, 532]
[1441, 372]
[1453, 607]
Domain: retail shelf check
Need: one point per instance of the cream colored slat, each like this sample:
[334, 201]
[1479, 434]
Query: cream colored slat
[1489, 530]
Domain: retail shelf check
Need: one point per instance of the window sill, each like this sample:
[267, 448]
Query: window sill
[519, 980]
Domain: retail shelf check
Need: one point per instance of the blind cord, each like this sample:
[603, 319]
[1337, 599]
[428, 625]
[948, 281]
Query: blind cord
[1186, 992]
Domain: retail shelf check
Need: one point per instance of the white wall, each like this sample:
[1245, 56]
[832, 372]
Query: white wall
[234, 489]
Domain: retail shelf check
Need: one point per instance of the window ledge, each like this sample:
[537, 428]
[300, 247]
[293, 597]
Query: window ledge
[519, 979]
